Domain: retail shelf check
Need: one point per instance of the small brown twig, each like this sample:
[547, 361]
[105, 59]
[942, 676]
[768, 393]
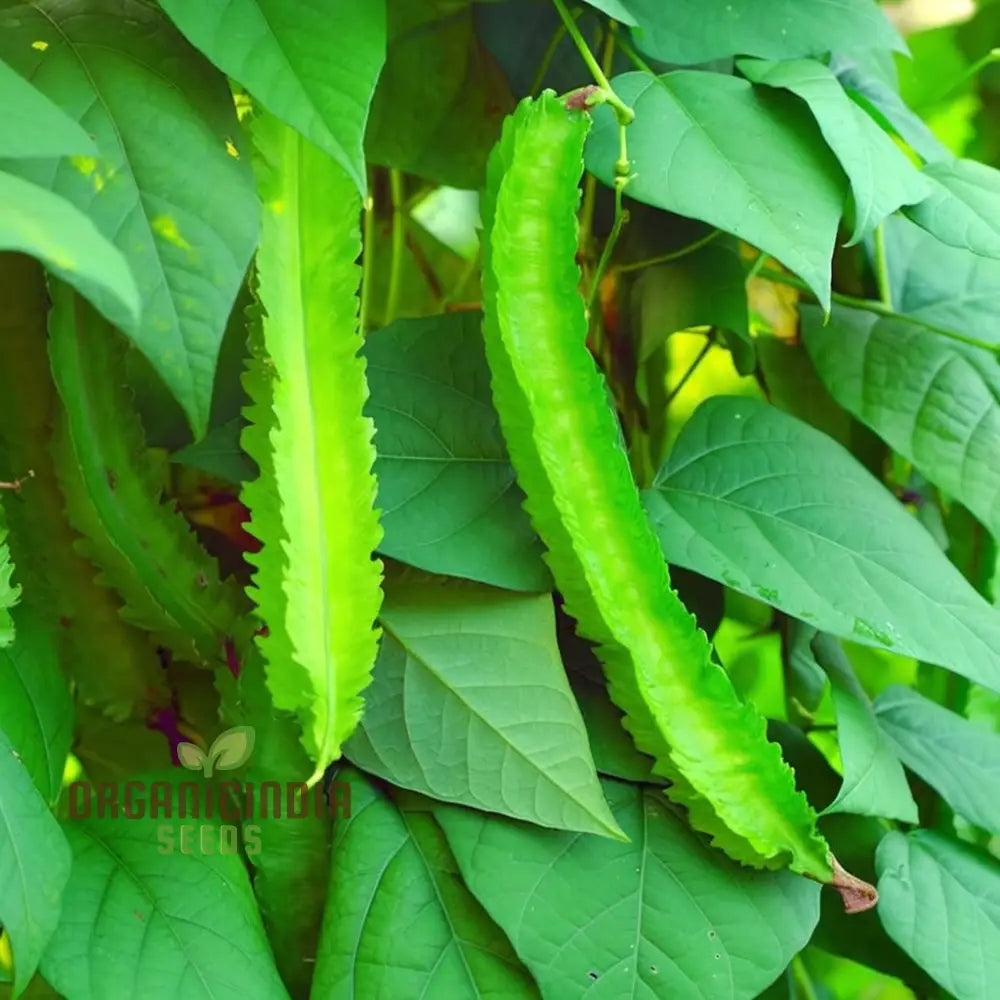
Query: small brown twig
[17, 483]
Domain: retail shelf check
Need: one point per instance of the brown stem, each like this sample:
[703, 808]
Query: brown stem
[17, 483]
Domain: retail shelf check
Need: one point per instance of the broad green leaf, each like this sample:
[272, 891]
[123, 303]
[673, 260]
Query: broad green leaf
[660, 916]
[963, 206]
[110, 663]
[696, 31]
[292, 860]
[567, 448]
[34, 865]
[168, 187]
[321, 449]
[9, 591]
[400, 923]
[940, 902]
[874, 782]
[449, 498]
[46, 226]
[932, 399]
[880, 98]
[313, 65]
[942, 285]
[882, 178]
[34, 126]
[771, 507]
[696, 132]
[149, 904]
[461, 670]
[36, 710]
[440, 98]
[956, 757]
[142, 547]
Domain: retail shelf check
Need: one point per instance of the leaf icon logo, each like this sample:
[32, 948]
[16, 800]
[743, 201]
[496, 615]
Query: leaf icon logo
[230, 750]
[191, 756]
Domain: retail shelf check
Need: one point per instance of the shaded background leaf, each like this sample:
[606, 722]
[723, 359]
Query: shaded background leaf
[168, 187]
[449, 499]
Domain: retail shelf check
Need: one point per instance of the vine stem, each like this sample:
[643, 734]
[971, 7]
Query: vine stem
[18, 483]
[590, 181]
[367, 259]
[691, 369]
[802, 979]
[398, 246]
[879, 309]
[623, 112]
[621, 217]
[666, 258]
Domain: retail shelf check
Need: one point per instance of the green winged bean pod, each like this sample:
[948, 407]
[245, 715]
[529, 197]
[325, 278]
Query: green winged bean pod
[564, 440]
[318, 585]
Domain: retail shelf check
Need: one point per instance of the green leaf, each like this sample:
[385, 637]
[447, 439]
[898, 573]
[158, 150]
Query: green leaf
[312, 65]
[616, 9]
[932, 399]
[771, 507]
[882, 178]
[219, 454]
[39, 223]
[697, 31]
[942, 285]
[959, 759]
[459, 666]
[880, 98]
[696, 132]
[400, 923]
[791, 384]
[448, 494]
[36, 711]
[34, 126]
[874, 783]
[144, 549]
[660, 916]
[440, 98]
[34, 865]
[940, 902]
[962, 207]
[167, 187]
[139, 908]
[320, 443]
